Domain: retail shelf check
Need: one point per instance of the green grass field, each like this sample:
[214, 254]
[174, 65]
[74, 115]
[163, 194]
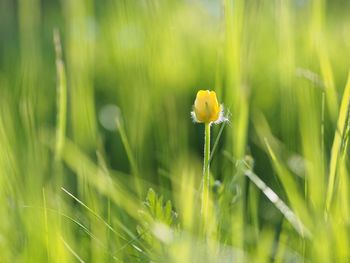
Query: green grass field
[100, 160]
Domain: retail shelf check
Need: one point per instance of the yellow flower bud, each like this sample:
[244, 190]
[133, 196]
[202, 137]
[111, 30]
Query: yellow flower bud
[206, 108]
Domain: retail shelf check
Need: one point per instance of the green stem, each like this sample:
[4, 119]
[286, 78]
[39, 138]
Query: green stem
[62, 98]
[206, 176]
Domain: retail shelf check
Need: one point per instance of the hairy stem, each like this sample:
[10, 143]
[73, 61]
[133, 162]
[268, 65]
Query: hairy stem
[206, 176]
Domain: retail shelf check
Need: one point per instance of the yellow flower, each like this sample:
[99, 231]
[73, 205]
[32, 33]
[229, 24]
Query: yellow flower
[206, 108]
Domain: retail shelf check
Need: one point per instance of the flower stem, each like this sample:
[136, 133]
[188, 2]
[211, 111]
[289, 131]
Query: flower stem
[206, 176]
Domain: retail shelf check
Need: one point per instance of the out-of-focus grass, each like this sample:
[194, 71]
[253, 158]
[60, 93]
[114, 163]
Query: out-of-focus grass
[90, 123]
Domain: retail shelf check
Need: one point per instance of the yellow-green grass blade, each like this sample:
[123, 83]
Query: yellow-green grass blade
[337, 143]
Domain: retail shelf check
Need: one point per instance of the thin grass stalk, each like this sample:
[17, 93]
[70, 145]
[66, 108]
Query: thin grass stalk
[337, 144]
[61, 97]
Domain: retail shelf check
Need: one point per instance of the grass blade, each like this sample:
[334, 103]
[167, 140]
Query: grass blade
[337, 143]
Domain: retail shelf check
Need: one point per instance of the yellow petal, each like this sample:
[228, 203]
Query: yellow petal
[206, 106]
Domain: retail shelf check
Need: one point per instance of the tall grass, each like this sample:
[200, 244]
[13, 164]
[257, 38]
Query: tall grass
[99, 158]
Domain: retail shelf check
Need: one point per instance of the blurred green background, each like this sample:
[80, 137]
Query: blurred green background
[93, 119]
